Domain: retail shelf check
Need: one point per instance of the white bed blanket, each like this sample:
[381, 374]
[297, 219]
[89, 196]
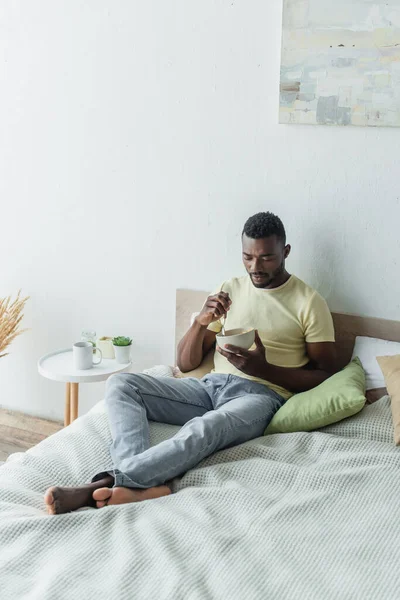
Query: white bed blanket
[288, 516]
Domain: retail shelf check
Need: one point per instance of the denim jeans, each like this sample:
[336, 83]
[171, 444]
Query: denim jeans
[215, 412]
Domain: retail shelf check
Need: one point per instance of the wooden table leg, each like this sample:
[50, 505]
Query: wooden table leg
[67, 408]
[74, 401]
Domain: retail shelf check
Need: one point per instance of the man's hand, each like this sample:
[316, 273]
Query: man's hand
[215, 307]
[251, 362]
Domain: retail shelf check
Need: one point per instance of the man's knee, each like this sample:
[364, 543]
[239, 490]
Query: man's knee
[119, 379]
[115, 381]
[120, 384]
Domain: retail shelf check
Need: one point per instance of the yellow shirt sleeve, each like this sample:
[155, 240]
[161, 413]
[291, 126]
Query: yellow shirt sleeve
[318, 323]
[216, 326]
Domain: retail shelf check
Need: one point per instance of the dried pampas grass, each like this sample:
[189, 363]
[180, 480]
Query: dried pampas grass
[10, 318]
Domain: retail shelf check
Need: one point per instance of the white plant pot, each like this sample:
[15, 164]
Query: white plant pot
[122, 354]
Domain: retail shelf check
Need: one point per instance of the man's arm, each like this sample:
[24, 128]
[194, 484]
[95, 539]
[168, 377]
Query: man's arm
[253, 362]
[192, 348]
[321, 366]
[199, 340]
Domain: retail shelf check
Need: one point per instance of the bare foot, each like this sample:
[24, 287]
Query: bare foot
[121, 495]
[60, 500]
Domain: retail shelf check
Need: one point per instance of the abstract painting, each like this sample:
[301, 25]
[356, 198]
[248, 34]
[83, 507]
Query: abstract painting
[341, 62]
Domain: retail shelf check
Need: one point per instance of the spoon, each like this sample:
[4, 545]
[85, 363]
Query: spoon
[223, 325]
[223, 319]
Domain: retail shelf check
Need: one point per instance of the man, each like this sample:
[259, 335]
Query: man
[294, 351]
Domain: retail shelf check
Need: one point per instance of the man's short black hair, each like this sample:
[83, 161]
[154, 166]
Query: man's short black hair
[263, 225]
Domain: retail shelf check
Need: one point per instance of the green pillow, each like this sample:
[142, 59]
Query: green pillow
[338, 397]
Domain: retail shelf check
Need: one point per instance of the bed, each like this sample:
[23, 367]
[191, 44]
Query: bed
[302, 515]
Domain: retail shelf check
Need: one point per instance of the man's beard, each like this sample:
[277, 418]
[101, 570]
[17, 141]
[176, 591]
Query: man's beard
[268, 277]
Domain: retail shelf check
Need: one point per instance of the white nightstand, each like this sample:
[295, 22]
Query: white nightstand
[59, 366]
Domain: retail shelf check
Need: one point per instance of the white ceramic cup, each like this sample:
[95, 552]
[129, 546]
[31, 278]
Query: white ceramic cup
[83, 355]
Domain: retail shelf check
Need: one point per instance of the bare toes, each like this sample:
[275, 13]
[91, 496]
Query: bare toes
[49, 501]
[102, 494]
[48, 497]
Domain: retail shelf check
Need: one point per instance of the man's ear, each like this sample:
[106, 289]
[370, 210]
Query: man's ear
[287, 250]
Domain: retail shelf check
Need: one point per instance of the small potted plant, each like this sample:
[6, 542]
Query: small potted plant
[122, 347]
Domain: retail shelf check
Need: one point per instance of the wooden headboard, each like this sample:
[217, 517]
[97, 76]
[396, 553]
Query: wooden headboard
[347, 327]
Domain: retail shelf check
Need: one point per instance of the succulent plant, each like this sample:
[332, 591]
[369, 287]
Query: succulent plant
[122, 341]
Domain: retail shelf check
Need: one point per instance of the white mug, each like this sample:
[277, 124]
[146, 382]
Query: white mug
[83, 355]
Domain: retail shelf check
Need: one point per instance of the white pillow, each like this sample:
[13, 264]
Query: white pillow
[160, 371]
[367, 349]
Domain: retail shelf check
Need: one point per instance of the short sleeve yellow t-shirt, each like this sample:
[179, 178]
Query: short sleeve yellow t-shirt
[286, 318]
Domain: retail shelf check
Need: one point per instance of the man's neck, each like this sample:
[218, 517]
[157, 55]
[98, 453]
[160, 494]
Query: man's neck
[278, 281]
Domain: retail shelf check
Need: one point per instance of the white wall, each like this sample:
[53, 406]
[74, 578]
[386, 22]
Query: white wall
[135, 139]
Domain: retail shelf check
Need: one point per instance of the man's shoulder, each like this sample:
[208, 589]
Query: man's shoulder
[305, 297]
[304, 288]
[233, 283]
[239, 280]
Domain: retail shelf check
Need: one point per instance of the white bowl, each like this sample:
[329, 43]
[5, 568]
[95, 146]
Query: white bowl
[244, 338]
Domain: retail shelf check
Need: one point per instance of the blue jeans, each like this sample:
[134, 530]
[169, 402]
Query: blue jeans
[215, 412]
